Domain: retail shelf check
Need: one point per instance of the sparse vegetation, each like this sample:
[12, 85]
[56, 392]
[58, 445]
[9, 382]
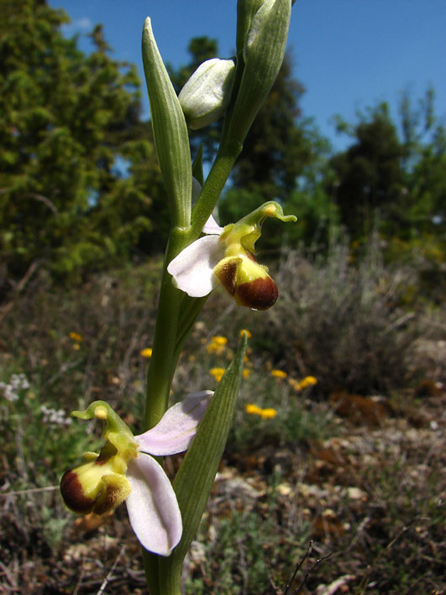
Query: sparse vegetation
[362, 478]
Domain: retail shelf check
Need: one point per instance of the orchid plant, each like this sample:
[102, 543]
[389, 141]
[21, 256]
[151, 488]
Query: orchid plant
[199, 255]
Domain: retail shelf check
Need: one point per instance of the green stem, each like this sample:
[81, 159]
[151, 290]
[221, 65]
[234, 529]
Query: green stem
[214, 184]
[161, 370]
[151, 569]
[164, 356]
[169, 578]
[171, 330]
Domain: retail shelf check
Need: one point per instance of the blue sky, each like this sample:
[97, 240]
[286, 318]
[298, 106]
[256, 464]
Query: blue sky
[348, 54]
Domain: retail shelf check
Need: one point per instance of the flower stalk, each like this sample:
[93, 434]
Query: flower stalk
[128, 468]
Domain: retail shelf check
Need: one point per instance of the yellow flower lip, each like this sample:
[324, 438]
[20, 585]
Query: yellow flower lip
[219, 340]
[217, 345]
[245, 331]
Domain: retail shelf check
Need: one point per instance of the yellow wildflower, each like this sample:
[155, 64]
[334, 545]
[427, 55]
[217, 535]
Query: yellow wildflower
[248, 334]
[308, 381]
[147, 352]
[217, 373]
[295, 384]
[268, 413]
[278, 374]
[76, 346]
[252, 409]
[304, 383]
[246, 373]
[75, 337]
[217, 345]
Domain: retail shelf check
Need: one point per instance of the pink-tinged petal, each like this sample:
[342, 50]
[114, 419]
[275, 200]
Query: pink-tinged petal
[152, 506]
[211, 227]
[177, 427]
[193, 268]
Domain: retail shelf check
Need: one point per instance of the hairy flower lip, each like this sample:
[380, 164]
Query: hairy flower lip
[259, 294]
[73, 493]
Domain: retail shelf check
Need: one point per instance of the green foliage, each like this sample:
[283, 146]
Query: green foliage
[247, 563]
[67, 122]
[352, 325]
[293, 423]
[393, 175]
[36, 439]
[368, 178]
[276, 149]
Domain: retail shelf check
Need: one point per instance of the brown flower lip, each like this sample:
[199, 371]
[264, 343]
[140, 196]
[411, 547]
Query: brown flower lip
[259, 294]
[228, 275]
[73, 493]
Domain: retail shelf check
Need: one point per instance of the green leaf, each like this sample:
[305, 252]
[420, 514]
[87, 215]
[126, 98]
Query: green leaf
[169, 130]
[195, 478]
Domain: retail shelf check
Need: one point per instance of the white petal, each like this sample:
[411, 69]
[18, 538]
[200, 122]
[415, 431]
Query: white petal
[152, 506]
[177, 427]
[211, 227]
[193, 268]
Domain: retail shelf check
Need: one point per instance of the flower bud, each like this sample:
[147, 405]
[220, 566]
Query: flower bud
[207, 93]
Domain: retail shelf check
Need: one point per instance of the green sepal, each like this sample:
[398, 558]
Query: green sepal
[249, 228]
[195, 478]
[169, 131]
[115, 432]
[246, 9]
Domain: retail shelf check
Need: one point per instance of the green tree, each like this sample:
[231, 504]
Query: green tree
[276, 150]
[424, 139]
[368, 179]
[69, 123]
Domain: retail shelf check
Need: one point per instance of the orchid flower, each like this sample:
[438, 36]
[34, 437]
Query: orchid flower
[226, 254]
[125, 470]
